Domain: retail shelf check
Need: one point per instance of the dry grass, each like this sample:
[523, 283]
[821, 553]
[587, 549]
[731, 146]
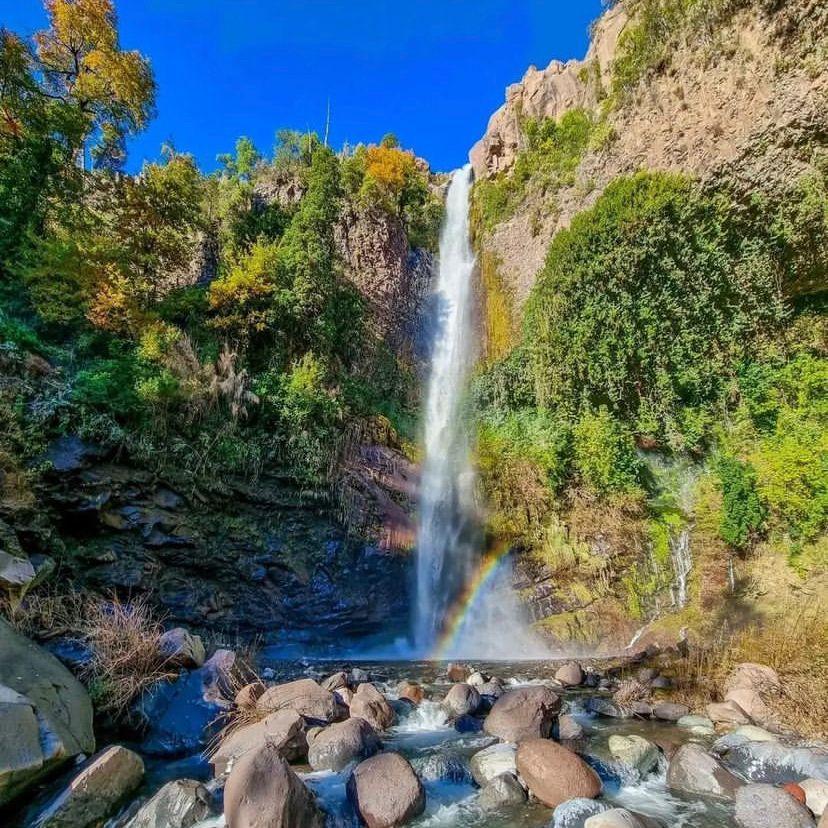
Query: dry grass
[794, 643]
[122, 638]
[629, 691]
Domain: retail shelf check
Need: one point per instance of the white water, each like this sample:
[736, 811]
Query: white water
[682, 564]
[445, 543]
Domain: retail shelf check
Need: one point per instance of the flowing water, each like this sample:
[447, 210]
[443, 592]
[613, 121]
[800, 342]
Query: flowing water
[445, 541]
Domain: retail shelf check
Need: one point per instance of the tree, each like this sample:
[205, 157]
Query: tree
[82, 63]
[242, 164]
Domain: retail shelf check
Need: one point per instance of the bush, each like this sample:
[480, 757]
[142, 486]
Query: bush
[742, 512]
[604, 454]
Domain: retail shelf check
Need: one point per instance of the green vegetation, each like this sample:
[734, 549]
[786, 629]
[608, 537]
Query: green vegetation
[201, 324]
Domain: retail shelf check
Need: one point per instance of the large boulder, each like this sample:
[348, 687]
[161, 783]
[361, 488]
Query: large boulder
[491, 762]
[304, 696]
[635, 752]
[777, 763]
[570, 675]
[816, 795]
[263, 792]
[461, 699]
[182, 716]
[411, 691]
[524, 713]
[335, 747]
[575, 812]
[283, 730]
[45, 714]
[180, 647]
[555, 774]
[502, 791]
[95, 791]
[335, 681]
[369, 704]
[385, 791]
[670, 711]
[750, 686]
[727, 713]
[443, 767]
[765, 806]
[569, 728]
[694, 771]
[620, 818]
[179, 804]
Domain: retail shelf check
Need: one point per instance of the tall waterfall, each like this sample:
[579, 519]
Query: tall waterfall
[445, 542]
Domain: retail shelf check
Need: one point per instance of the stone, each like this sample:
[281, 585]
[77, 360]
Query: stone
[182, 716]
[502, 791]
[777, 763]
[369, 704]
[344, 696]
[492, 761]
[457, 672]
[16, 573]
[748, 686]
[283, 730]
[670, 711]
[635, 752]
[608, 709]
[385, 791]
[95, 791]
[180, 647]
[304, 696]
[524, 713]
[247, 697]
[796, 792]
[699, 725]
[694, 771]
[468, 724]
[263, 792]
[492, 689]
[554, 774]
[461, 699]
[443, 767]
[727, 713]
[411, 690]
[341, 743]
[764, 806]
[569, 728]
[661, 683]
[45, 714]
[816, 795]
[358, 676]
[179, 804]
[646, 674]
[476, 679]
[620, 818]
[575, 812]
[335, 681]
[641, 709]
[570, 675]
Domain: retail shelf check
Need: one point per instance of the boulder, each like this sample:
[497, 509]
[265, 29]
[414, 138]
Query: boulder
[575, 812]
[369, 704]
[608, 709]
[358, 676]
[443, 767]
[699, 725]
[179, 804]
[493, 689]
[641, 709]
[749, 686]
[694, 771]
[764, 806]
[635, 752]
[554, 774]
[180, 647]
[468, 724]
[304, 696]
[247, 697]
[570, 675]
[263, 792]
[777, 763]
[502, 791]
[476, 679]
[335, 681]
[283, 730]
[385, 791]
[344, 695]
[461, 699]
[727, 713]
[411, 690]
[457, 672]
[182, 716]
[341, 743]
[816, 795]
[620, 818]
[492, 761]
[569, 728]
[670, 711]
[95, 791]
[45, 714]
[524, 713]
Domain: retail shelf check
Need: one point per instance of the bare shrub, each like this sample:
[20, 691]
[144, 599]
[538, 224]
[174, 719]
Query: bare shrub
[629, 691]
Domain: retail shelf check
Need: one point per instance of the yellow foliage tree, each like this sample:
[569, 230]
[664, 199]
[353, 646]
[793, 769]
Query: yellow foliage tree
[388, 170]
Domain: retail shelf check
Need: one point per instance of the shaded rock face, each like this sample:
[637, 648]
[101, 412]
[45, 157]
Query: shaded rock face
[45, 714]
[253, 558]
[179, 804]
[263, 792]
[385, 791]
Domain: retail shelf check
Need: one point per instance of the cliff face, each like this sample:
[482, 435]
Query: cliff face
[747, 105]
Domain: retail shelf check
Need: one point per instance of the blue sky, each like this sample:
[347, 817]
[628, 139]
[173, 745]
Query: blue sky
[431, 71]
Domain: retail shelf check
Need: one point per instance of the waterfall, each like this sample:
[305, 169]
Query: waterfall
[445, 540]
[682, 564]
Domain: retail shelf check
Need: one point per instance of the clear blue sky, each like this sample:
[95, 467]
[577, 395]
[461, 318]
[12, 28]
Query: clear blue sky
[431, 71]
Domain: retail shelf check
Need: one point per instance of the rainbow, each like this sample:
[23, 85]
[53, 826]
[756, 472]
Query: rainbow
[459, 612]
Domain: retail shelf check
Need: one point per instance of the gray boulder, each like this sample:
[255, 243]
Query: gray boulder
[608, 709]
[337, 745]
[635, 752]
[570, 675]
[764, 806]
[95, 792]
[179, 804]
[524, 713]
[385, 791]
[575, 812]
[777, 763]
[569, 728]
[621, 818]
[503, 791]
[461, 699]
[45, 714]
[492, 761]
[670, 712]
[181, 647]
[443, 767]
[263, 792]
[694, 771]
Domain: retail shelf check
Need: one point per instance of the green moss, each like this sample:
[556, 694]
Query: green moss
[501, 327]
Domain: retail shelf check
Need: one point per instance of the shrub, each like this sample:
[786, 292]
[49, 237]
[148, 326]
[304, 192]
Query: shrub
[742, 512]
[604, 453]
